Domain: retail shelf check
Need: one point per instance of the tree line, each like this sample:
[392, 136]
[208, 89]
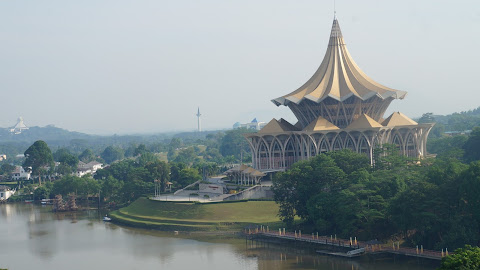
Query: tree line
[432, 202]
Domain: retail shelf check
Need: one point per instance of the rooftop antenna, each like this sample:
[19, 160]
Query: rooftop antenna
[334, 10]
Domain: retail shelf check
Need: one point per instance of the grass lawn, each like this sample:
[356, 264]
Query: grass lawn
[9, 183]
[189, 216]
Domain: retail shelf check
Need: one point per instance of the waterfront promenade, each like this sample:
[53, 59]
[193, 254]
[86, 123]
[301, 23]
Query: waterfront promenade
[354, 248]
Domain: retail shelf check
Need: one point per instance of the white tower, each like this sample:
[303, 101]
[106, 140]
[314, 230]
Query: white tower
[198, 120]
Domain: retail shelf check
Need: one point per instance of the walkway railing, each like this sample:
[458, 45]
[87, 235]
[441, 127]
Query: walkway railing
[352, 243]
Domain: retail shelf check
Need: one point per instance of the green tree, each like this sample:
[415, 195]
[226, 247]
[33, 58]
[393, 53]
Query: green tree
[470, 189]
[427, 118]
[68, 184]
[111, 188]
[132, 190]
[37, 156]
[140, 150]
[466, 258]
[6, 169]
[175, 169]
[63, 169]
[305, 179]
[472, 145]
[111, 154]
[213, 154]
[349, 161]
[186, 156]
[159, 170]
[188, 176]
[233, 143]
[41, 192]
[86, 156]
[448, 146]
[145, 158]
[64, 156]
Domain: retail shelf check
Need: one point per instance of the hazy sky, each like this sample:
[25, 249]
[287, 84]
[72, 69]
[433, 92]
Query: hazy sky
[144, 66]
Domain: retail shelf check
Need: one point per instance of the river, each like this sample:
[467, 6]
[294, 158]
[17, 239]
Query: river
[32, 237]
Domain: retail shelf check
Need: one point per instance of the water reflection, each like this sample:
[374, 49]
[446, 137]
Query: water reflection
[36, 237]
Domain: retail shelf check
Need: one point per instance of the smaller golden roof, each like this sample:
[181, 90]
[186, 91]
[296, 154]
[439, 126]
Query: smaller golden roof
[275, 126]
[238, 168]
[364, 121]
[257, 173]
[398, 119]
[320, 124]
[248, 170]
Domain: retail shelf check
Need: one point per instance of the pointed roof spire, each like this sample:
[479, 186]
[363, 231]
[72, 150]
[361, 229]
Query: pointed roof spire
[398, 119]
[364, 121]
[276, 126]
[338, 77]
[320, 124]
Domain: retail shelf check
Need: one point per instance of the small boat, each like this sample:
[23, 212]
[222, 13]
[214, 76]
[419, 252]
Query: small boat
[28, 201]
[46, 201]
[106, 218]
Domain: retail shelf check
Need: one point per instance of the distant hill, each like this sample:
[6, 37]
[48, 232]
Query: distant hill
[51, 134]
[460, 121]
[455, 122]
[14, 144]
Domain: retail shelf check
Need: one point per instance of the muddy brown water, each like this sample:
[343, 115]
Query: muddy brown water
[32, 237]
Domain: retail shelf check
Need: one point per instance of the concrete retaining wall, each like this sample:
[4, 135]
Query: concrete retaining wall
[255, 192]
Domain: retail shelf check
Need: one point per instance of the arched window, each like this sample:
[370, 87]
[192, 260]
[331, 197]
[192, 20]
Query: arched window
[313, 150]
[277, 155]
[411, 146]
[337, 144]
[397, 140]
[263, 156]
[323, 145]
[350, 144]
[290, 153]
[363, 146]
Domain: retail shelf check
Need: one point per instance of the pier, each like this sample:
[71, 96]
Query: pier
[341, 247]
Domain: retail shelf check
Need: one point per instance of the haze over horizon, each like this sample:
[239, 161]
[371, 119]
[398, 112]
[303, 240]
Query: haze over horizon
[106, 67]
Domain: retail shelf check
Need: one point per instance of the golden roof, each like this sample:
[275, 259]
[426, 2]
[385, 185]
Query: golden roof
[248, 170]
[257, 173]
[398, 119]
[338, 77]
[275, 126]
[363, 122]
[320, 124]
[238, 168]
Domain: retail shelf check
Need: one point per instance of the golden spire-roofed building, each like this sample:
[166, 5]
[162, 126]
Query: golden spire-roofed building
[338, 107]
[339, 91]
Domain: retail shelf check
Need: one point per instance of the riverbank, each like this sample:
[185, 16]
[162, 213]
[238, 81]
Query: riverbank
[185, 216]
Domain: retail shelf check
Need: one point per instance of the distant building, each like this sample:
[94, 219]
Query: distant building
[5, 193]
[19, 127]
[20, 173]
[252, 125]
[87, 168]
[454, 133]
[3, 157]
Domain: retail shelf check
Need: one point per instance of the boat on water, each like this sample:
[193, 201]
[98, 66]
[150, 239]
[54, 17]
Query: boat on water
[28, 201]
[46, 201]
[106, 218]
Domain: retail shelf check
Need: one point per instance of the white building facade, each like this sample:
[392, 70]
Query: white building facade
[20, 173]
